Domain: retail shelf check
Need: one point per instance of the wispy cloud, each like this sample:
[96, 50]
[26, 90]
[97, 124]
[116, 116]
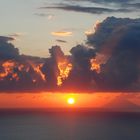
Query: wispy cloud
[62, 33]
[102, 1]
[92, 10]
[61, 41]
[95, 6]
[49, 16]
[117, 3]
[136, 6]
[17, 35]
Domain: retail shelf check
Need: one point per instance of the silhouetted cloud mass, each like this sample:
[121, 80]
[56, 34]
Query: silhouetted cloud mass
[110, 61]
[118, 40]
[7, 50]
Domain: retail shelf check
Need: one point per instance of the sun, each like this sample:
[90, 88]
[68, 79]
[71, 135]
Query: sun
[71, 101]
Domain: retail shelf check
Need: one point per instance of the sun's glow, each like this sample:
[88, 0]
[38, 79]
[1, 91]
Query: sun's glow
[71, 101]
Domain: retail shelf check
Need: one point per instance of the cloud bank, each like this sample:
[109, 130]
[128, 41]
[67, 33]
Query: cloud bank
[109, 61]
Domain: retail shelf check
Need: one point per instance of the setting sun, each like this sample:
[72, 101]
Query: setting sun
[71, 101]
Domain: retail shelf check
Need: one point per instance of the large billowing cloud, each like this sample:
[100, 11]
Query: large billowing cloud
[118, 40]
[81, 77]
[18, 72]
[110, 61]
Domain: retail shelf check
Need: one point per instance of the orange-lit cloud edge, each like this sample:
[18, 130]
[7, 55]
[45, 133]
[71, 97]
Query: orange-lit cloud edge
[62, 33]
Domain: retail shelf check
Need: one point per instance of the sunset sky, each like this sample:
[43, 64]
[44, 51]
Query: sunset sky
[51, 100]
[33, 24]
[99, 51]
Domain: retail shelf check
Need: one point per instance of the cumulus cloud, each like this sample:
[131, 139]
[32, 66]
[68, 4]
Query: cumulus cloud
[80, 76]
[111, 63]
[7, 50]
[118, 39]
[16, 69]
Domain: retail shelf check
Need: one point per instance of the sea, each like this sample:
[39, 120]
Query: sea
[61, 124]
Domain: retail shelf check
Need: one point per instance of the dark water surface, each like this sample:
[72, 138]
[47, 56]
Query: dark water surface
[69, 126]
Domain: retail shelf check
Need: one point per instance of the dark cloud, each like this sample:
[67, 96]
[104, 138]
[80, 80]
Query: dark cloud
[6, 39]
[92, 10]
[50, 68]
[111, 63]
[7, 50]
[96, 6]
[118, 39]
[18, 72]
[81, 76]
[118, 3]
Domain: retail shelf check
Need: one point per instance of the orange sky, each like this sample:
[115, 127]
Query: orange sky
[48, 100]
